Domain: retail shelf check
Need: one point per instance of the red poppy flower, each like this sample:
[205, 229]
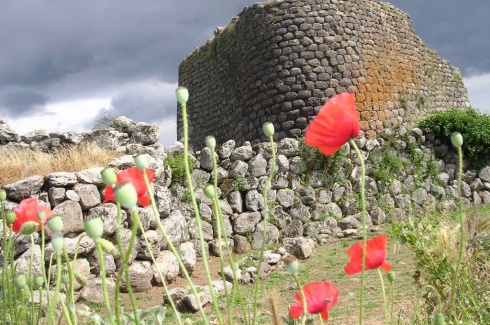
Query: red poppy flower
[134, 176]
[26, 211]
[320, 297]
[375, 255]
[334, 125]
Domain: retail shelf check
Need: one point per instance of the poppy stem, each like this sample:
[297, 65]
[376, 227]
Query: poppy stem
[321, 319]
[303, 299]
[454, 282]
[364, 230]
[384, 294]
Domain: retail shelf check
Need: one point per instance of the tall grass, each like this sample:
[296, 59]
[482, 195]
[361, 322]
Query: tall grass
[17, 164]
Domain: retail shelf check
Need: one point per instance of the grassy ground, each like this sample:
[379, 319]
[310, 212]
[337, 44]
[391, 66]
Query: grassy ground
[326, 264]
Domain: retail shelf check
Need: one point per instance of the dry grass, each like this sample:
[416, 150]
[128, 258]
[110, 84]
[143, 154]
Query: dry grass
[16, 165]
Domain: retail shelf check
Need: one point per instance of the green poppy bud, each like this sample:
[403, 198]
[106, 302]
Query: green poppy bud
[439, 320]
[28, 228]
[38, 282]
[20, 281]
[81, 278]
[58, 243]
[209, 191]
[457, 139]
[182, 95]
[141, 161]
[108, 176]
[210, 142]
[126, 195]
[65, 278]
[268, 128]
[10, 216]
[108, 247]
[187, 321]
[41, 216]
[94, 227]
[291, 264]
[391, 276]
[3, 195]
[55, 224]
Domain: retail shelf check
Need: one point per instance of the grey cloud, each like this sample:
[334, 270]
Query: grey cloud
[20, 103]
[456, 29]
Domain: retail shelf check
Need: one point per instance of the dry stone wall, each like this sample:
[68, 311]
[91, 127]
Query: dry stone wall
[279, 61]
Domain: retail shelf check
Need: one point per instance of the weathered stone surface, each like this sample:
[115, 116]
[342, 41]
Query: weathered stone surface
[226, 149]
[90, 176]
[285, 197]
[89, 195]
[61, 179]
[188, 255]
[108, 214]
[206, 159]
[24, 188]
[56, 195]
[176, 228]
[241, 244]
[300, 211]
[154, 243]
[257, 166]
[207, 230]
[288, 147]
[167, 263]
[293, 229]
[92, 291]
[242, 153]
[238, 169]
[484, 174]
[300, 247]
[254, 200]
[72, 215]
[246, 222]
[140, 276]
[271, 235]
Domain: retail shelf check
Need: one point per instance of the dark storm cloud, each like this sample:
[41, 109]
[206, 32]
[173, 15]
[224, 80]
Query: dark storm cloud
[457, 30]
[19, 103]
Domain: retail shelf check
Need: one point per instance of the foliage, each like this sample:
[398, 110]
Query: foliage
[434, 242]
[387, 166]
[212, 50]
[177, 166]
[473, 125]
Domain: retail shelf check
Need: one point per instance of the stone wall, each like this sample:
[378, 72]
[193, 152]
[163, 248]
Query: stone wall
[279, 61]
[306, 207]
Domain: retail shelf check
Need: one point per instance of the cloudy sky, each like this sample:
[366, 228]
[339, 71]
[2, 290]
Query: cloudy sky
[65, 63]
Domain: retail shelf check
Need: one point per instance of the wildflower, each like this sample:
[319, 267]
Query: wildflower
[334, 125]
[26, 213]
[268, 129]
[182, 95]
[320, 297]
[210, 142]
[134, 176]
[457, 139]
[291, 264]
[375, 255]
[93, 227]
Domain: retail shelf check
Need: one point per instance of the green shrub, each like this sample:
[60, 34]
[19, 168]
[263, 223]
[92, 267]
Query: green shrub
[176, 164]
[473, 125]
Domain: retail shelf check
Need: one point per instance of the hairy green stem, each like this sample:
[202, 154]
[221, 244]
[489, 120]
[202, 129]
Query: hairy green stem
[364, 229]
[121, 252]
[385, 304]
[392, 302]
[264, 232]
[196, 213]
[172, 247]
[70, 292]
[104, 282]
[454, 282]
[53, 304]
[31, 275]
[303, 299]
[174, 308]
[417, 302]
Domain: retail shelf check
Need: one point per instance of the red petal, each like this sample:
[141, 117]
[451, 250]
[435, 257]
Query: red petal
[375, 255]
[109, 194]
[295, 312]
[27, 210]
[144, 201]
[324, 314]
[386, 267]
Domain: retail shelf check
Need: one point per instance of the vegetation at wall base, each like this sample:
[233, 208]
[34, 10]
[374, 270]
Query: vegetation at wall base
[473, 125]
[176, 164]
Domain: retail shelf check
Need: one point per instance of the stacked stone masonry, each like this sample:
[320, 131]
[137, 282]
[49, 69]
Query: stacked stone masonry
[279, 61]
[305, 207]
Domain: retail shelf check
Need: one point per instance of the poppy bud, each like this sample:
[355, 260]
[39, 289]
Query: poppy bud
[81, 279]
[108, 176]
[209, 191]
[141, 161]
[93, 227]
[182, 95]
[268, 128]
[439, 320]
[58, 243]
[65, 278]
[55, 224]
[20, 281]
[108, 247]
[291, 264]
[28, 228]
[38, 282]
[126, 195]
[391, 276]
[41, 216]
[10, 216]
[457, 139]
[210, 142]
[3, 195]
[187, 321]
